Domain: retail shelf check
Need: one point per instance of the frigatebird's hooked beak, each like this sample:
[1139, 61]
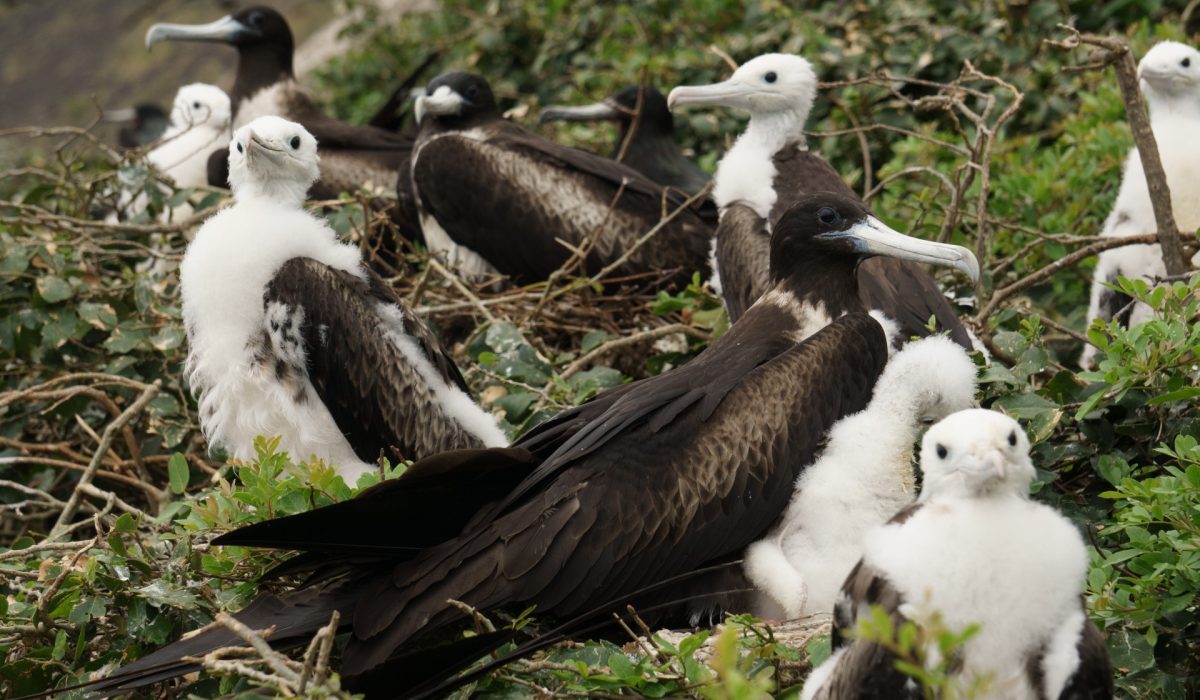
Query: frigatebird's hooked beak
[227, 30]
[870, 237]
[583, 113]
[443, 102]
[729, 93]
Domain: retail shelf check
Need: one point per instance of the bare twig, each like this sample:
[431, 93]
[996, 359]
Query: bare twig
[609, 346]
[1045, 273]
[1115, 52]
[110, 432]
[482, 623]
[723, 56]
[462, 288]
[259, 643]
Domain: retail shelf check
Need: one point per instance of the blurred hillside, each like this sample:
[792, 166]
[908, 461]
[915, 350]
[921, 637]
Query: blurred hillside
[62, 57]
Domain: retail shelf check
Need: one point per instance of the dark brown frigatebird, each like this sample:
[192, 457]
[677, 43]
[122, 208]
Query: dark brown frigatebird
[494, 197]
[768, 168]
[265, 84]
[645, 135]
[648, 481]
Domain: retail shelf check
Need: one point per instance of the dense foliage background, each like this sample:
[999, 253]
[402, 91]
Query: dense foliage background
[91, 342]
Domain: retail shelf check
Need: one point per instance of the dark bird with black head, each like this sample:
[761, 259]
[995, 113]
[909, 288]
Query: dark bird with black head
[265, 84]
[495, 198]
[648, 481]
[645, 135]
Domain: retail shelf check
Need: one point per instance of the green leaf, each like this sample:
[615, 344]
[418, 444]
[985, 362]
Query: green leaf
[54, 289]
[162, 594]
[124, 338]
[622, 667]
[178, 472]
[60, 645]
[167, 338]
[1184, 394]
[515, 404]
[1129, 650]
[592, 340]
[819, 649]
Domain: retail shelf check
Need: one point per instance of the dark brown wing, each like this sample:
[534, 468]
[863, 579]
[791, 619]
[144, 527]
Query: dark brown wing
[906, 292]
[218, 168]
[864, 670]
[351, 335]
[658, 401]
[430, 503]
[743, 258]
[335, 134]
[672, 489]
[511, 196]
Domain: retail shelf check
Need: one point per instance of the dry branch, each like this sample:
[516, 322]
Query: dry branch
[1114, 51]
[1045, 273]
[110, 432]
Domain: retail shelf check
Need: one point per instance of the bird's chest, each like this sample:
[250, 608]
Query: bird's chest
[270, 101]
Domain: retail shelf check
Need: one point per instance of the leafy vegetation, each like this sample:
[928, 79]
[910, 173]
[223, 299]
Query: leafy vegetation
[88, 329]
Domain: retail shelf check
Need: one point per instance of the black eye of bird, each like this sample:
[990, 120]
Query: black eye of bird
[1012, 439]
[239, 147]
[1186, 62]
[295, 142]
[942, 451]
[829, 216]
[255, 18]
[195, 105]
[770, 77]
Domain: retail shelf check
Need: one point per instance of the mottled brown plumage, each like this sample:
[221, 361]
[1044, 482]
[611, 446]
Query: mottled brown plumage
[350, 331]
[649, 481]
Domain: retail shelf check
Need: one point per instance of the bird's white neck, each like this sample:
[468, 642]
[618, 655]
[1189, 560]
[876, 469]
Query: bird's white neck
[279, 192]
[774, 130]
[747, 172]
[1164, 110]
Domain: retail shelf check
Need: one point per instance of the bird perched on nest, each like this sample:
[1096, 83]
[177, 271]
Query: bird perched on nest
[265, 85]
[764, 172]
[495, 198]
[648, 481]
[1170, 80]
[290, 335]
[864, 475]
[974, 549]
[200, 123]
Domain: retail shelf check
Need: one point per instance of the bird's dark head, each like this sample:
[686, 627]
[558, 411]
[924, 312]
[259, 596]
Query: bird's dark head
[621, 108]
[255, 26]
[827, 234]
[259, 31]
[456, 96]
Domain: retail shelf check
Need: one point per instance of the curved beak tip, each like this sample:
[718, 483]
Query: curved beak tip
[970, 266]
